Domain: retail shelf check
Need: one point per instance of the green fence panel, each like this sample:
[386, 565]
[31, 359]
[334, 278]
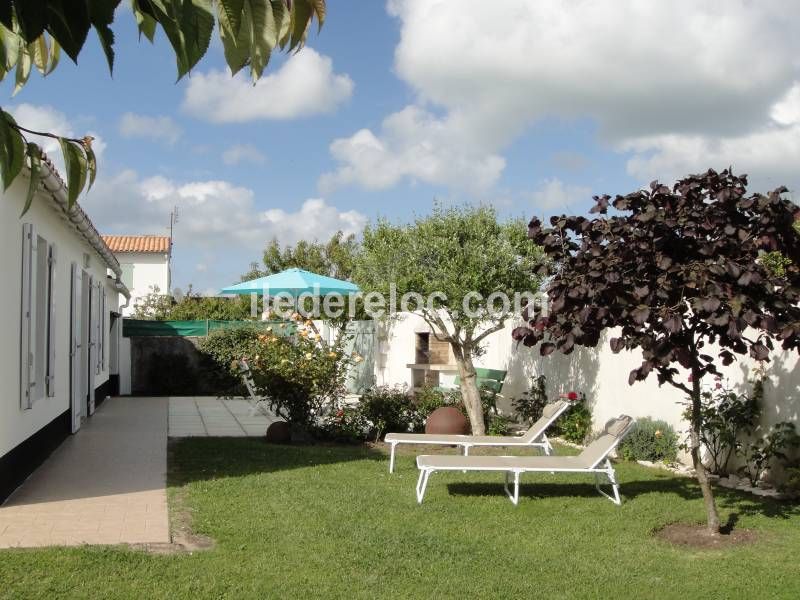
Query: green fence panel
[139, 328]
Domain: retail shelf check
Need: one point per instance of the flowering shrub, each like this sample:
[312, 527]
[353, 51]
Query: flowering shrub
[576, 422]
[345, 424]
[302, 376]
[651, 440]
[389, 409]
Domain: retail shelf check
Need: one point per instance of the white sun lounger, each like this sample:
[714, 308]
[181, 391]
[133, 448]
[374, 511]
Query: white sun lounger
[588, 461]
[257, 403]
[535, 436]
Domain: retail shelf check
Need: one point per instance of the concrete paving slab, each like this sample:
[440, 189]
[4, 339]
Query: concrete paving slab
[104, 485]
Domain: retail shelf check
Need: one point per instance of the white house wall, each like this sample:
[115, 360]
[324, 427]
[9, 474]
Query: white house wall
[150, 270]
[16, 425]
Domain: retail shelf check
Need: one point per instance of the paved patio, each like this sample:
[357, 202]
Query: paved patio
[210, 416]
[105, 485]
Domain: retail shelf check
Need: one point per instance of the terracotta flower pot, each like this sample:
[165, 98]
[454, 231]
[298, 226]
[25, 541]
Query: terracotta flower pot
[447, 420]
[279, 432]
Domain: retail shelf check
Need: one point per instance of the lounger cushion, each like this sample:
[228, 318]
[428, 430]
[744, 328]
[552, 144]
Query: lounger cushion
[552, 408]
[618, 426]
[501, 463]
[427, 438]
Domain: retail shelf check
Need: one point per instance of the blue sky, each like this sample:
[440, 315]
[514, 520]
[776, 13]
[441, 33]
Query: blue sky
[531, 107]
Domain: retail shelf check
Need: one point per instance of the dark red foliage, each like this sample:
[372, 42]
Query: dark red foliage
[674, 269]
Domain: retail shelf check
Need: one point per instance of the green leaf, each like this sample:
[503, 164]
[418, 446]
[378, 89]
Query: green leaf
[6, 14]
[301, 17]
[75, 165]
[236, 47]
[35, 155]
[55, 56]
[101, 15]
[10, 48]
[233, 12]
[12, 149]
[31, 17]
[144, 19]
[68, 22]
[264, 35]
[38, 48]
[23, 69]
[196, 26]
[91, 164]
[320, 10]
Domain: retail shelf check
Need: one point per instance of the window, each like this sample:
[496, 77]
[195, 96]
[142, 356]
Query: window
[127, 275]
[37, 343]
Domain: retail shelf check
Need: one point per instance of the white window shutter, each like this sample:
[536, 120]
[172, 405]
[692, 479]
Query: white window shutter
[27, 370]
[96, 327]
[103, 328]
[51, 322]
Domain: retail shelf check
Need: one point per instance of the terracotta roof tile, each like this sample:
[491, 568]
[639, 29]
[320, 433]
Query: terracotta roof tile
[137, 243]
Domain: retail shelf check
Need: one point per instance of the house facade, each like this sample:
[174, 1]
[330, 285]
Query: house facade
[59, 335]
[145, 263]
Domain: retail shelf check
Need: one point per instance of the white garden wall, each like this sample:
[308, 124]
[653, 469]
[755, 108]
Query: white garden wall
[599, 373]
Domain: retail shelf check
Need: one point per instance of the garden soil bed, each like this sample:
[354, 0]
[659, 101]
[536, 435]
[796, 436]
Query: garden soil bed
[697, 537]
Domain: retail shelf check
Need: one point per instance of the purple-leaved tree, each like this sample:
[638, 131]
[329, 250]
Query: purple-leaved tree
[676, 273]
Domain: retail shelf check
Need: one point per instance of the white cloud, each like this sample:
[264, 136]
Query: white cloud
[239, 153]
[160, 128]
[221, 227]
[47, 119]
[305, 85]
[415, 144]
[638, 70]
[770, 153]
[553, 195]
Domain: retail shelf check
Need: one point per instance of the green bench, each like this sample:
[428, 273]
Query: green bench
[488, 380]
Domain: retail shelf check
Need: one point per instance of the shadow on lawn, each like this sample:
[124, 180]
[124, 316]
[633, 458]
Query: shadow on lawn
[198, 459]
[738, 503]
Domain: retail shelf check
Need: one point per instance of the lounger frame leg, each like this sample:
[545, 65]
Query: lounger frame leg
[612, 479]
[513, 496]
[422, 484]
[466, 453]
[391, 457]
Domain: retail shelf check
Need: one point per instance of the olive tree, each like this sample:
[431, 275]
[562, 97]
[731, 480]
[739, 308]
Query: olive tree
[455, 259]
[677, 273]
[34, 32]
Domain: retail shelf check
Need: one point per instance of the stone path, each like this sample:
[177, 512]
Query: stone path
[104, 485]
[209, 416]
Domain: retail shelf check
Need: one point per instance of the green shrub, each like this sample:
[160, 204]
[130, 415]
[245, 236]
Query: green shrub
[225, 346]
[530, 406]
[428, 399]
[498, 425]
[651, 440]
[791, 484]
[388, 409]
[726, 416]
[575, 424]
[759, 454]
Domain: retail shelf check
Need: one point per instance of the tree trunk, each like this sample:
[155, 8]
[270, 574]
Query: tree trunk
[712, 516]
[470, 394]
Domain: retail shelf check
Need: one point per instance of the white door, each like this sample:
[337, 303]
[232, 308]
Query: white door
[92, 355]
[75, 353]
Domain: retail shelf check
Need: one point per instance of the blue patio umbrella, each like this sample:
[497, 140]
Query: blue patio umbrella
[293, 282]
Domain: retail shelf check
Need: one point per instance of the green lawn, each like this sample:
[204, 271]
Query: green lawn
[330, 522]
